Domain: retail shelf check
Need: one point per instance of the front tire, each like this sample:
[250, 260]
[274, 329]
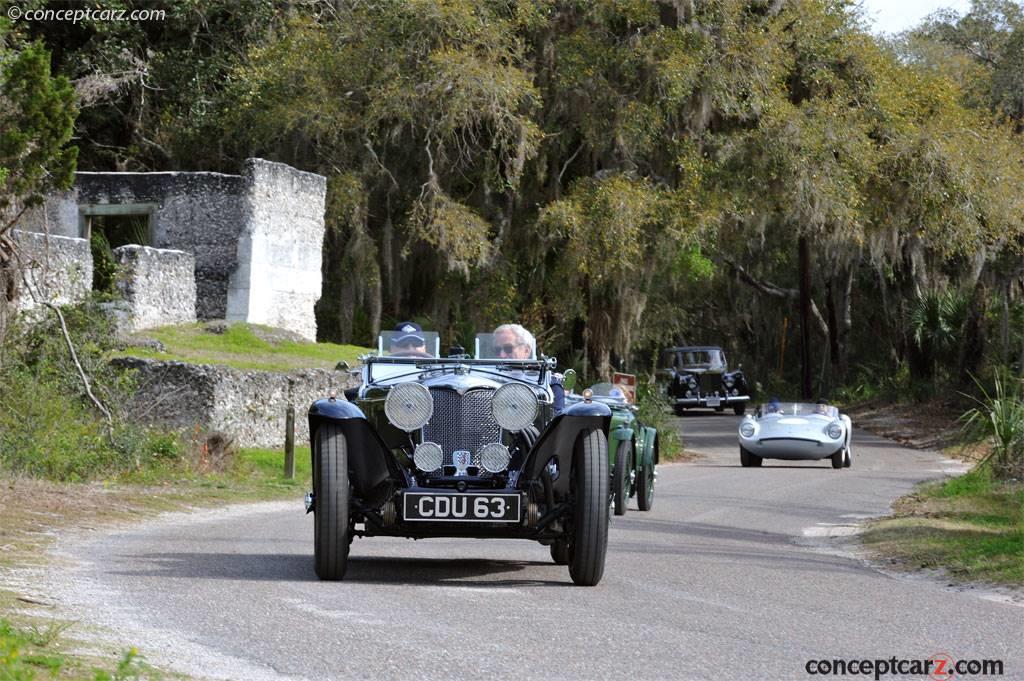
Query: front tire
[645, 488]
[748, 460]
[623, 464]
[590, 508]
[848, 461]
[739, 409]
[331, 532]
[839, 458]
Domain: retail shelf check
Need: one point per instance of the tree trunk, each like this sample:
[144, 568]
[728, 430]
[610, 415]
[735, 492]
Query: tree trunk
[9, 288]
[806, 390]
[833, 329]
[973, 348]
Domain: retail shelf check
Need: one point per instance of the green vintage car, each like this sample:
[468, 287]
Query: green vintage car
[632, 448]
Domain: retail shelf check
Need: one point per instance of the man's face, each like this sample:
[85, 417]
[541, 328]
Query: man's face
[507, 346]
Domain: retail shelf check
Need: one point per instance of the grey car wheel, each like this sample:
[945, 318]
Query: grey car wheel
[748, 460]
[331, 533]
[590, 505]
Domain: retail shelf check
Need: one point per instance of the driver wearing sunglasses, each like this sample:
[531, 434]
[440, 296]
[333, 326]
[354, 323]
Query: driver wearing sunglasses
[408, 341]
[512, 341]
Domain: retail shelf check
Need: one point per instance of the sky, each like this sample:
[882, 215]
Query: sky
[893, 16]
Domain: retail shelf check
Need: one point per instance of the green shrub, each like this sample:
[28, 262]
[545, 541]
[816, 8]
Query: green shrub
[999, 418]
[48, 426]
[653, 409]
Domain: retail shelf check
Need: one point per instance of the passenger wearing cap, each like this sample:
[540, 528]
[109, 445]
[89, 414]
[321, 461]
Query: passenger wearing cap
[408, 341]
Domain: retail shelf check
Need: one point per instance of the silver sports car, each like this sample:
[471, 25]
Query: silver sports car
[795, 431]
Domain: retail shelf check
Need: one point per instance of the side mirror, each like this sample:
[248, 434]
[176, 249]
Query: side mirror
[569, 380]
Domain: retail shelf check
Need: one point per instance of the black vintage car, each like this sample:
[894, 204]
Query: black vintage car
[460, 446]
[698, 376]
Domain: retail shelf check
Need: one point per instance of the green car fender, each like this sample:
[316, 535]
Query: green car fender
[620, 434]
[649, 447]
[615, 436]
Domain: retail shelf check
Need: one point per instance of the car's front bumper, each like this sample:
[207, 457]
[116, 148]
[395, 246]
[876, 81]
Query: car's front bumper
[710, 400]
[791, 448]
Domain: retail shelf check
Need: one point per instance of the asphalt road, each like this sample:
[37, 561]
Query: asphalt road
[735, 574]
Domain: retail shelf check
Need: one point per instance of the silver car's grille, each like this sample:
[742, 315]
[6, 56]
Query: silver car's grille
[462, 422]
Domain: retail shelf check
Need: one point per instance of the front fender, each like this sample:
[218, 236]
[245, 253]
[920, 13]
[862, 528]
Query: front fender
[559, 440]
[619, 434]
[372, 466]
[650, 453]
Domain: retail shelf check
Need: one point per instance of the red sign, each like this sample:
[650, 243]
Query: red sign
[627, 384]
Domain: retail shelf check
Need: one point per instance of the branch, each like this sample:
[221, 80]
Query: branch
[571, 159]
[81, 371]
[770, 289]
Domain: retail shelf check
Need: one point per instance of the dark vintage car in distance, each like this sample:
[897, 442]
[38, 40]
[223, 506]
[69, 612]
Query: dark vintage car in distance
[460, 446]
[695, 376]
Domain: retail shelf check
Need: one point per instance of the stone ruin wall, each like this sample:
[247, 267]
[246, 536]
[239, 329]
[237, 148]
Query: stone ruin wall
[280, 251]
[57, 270]
[256, 238]
[200, 213]
[249, 406]
[157, 287]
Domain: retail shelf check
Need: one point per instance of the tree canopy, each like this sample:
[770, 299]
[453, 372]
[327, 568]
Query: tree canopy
[615, 174]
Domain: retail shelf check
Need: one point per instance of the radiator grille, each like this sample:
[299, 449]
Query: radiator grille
[462, 422]
[709, 383]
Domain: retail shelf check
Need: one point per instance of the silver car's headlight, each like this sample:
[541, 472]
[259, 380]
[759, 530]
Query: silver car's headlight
[409, 406]
[747, 429]
[428, 457]
[494, 457]
[834, 430]
[514, 406]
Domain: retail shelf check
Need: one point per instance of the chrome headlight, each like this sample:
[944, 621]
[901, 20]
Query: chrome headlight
[409, 406]
[514, 406]
[747, 429]
[494, 457]
[729, 381]
[428, 457]
[691, 381]
[834, 430]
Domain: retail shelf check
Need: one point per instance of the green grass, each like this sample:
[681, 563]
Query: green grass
[243, 346]
[29, 652]
[972, 527]
[268, 465]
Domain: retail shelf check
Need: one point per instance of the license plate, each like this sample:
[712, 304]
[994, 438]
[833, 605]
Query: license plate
[461, 507]
[713, 401]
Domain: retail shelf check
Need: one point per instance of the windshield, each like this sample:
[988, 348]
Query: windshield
[419, 344]
[799, 409]
[609, 390]
[711, 359]
[502, 346]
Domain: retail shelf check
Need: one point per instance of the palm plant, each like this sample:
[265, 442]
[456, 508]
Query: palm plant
[936, 320]
[999, 417]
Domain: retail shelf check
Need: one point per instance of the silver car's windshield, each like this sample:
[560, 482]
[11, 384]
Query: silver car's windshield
[799, 409]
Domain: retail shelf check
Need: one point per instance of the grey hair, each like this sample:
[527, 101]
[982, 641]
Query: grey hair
[522, 335]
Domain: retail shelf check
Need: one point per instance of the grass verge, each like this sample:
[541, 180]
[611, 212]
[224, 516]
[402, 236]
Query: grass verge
[972, 527]
[243, 346]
